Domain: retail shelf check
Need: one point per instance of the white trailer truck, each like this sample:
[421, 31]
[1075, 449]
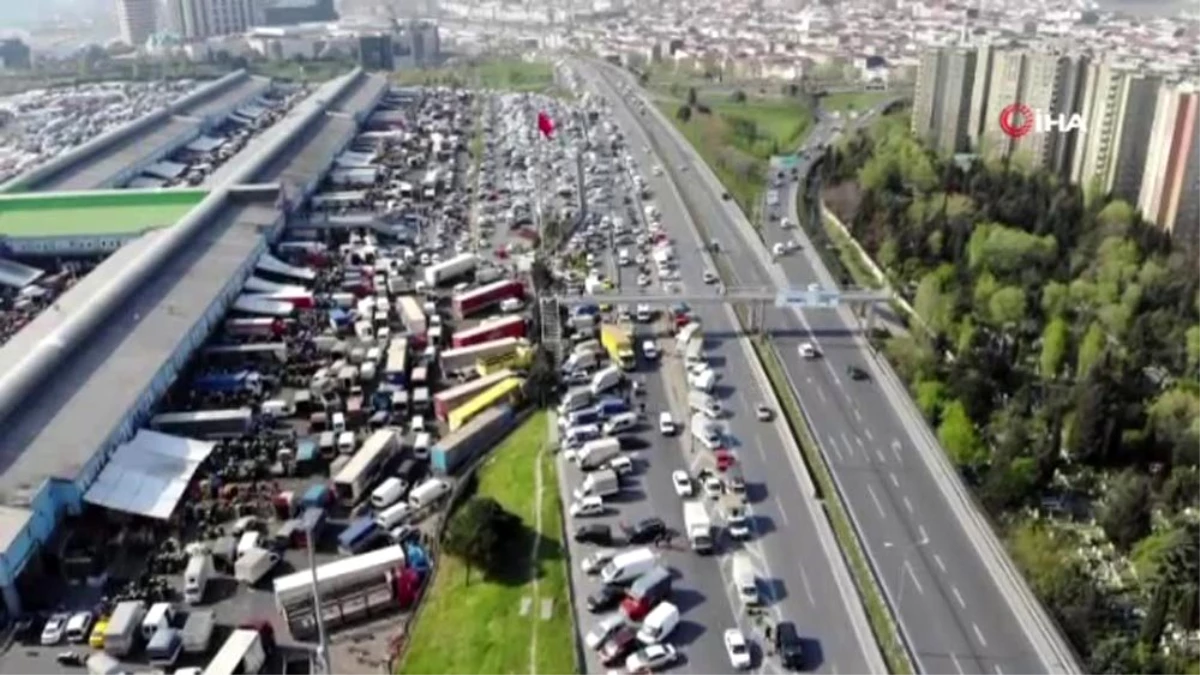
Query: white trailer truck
[698, 525]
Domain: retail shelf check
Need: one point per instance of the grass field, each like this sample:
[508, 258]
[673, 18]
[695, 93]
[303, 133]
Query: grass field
[858, 100]
[479, 627]
[507, 74]
[738, 139]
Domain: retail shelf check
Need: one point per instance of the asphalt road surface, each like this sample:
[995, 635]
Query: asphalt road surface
[953, 612]
[796, 567]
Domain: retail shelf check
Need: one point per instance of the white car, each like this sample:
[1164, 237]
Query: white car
[650, 350]
[643, 280]
[600, 633]
[651, 658]
[682, 483]
[666, 424]
[807, 350]
[738, 650]
[595, 562]
[640, 259]
[588, 506]
[710, 277]
[713, 487]
[52, 632]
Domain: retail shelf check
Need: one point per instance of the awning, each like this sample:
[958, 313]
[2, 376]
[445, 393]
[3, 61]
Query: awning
[254, 304]
[149, 474]
[257, 285]
[166, 170]
[13, 273]
[269, 263]
[205, 144]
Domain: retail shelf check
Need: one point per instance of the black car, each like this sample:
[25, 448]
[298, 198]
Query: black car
[856, 373]
[787, 645]
[604, 599]
[601, 535]
[648, 530]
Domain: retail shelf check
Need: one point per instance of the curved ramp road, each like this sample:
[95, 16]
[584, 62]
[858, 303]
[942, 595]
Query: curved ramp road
[961, 605]
[802, 573]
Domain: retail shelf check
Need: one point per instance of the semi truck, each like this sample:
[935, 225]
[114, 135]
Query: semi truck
[463, 445]
[478, 299]
[465, 358]
[448, 270]
[698, 526]
[507, 327]
[618, 342]
[447, 400]
[229, 383]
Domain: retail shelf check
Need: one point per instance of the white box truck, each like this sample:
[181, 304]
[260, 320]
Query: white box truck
[606, 379]
[602, 483]
[254, 564]
[195, 577]
[704, 403]
[745, 578]
[626, 567]
[698, 525]
[595, 453]
[705, 432]
[703, 380]
[124, 628]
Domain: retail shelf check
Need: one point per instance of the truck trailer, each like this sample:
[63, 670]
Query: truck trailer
[448, 270]
[477, 300]
[506, 327]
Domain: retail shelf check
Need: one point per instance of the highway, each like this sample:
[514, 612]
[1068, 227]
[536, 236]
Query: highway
[806, 578]
[953, 605]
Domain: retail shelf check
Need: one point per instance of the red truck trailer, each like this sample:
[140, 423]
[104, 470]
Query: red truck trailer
[508, 327]
[478, 299]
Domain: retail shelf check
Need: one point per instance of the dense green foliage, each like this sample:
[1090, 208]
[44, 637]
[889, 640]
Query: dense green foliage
[1055, 354]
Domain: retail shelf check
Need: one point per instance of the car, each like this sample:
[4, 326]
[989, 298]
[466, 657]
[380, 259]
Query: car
[598, 634]
[650, 350]
[605, 598]
[647, 530]
[643, 280]
[807, 351]
[666, 424]
[737, 648]
[725, 196]
[682, 483]
[788, 645]
[601, 535]
[587, 507]
[620, 465]
[710, 277]
[79, 626]
[96, 639]
[651, 658]
[713, 487]
[856, 373]
[594, 562]
[762, 412]
[55, 627]
[737, 483]
[620, 643]
[724, 459]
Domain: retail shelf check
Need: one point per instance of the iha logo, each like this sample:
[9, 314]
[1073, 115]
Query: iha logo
[1018, 119]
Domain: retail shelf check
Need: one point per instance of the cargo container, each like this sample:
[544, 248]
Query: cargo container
[298, 299]
[205, 423]
[352, 484]
[462, 446]
[465, 358]
[445, 401]
[518, 360]
[449, 270]
[412, 316]
[507, 392]
[396, 368]
[507, 327]
[478, 299]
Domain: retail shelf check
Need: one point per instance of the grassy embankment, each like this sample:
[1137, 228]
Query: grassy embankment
[505, 74]
[494, 625]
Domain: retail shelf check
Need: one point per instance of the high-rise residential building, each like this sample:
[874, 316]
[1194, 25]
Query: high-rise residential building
[425, 43]
[1118, 107]
[1170, 189]
[138, 20]
[942, 106]
[375, 52]
[1072, 83]
[980, 90]
[199, 19]
[1004, 90]
[292, 12]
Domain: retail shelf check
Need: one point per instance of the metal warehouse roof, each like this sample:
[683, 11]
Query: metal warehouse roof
[93, 213]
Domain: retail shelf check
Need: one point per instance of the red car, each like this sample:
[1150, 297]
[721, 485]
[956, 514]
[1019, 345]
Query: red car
[724, 459]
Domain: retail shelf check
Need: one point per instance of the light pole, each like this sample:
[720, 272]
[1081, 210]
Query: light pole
[323, 664]
[907, 548]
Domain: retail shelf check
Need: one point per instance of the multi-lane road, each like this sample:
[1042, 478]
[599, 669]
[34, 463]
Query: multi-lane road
[804, 576]
[956, 609]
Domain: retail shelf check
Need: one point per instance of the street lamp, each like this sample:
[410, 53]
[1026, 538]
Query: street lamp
[907, 548]
[323, 664]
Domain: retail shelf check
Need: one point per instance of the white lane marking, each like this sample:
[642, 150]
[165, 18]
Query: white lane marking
[782, 511]
[938, 559]
[998, 669]
[761, 451]
[836, 380]
[857, 415]
[978, 634]
[916, 582]
[896, 451]
[924, 537]
[741, 397]
[895, 482]
[882, 459]
[958, 597]
[878, 506]
[836, 450]
[860, 443]
[821, 394]
[807, 586]
[870, 437]
[908, 505]
[957, 665]
[849, 448]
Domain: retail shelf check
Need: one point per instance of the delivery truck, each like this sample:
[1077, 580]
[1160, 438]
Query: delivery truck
[698, 526]
[705, 431]
[578, 362]
[618, 342]
[606, 379]
[594, 454]
[704, 403]
[602, 483]
[704, 380]
[254, 564]
[745, 578]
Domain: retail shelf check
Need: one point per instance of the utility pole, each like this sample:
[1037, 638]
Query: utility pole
[323, 665]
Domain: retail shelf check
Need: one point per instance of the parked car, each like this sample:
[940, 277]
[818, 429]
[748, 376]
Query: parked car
[601, 535]
[651, 658]
[648, 530]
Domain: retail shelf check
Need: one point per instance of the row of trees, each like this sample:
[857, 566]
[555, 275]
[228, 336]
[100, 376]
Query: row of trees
[1055, 352]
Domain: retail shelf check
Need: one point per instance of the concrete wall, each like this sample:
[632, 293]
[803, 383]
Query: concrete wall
[117, 136]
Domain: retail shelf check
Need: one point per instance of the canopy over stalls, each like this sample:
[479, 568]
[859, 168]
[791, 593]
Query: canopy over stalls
[148, 475]
[205, 144]
[257, 304]
[13, 273]
[269, 263]
[257, 285]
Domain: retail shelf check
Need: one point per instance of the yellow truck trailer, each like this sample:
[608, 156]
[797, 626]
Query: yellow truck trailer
[618, 342]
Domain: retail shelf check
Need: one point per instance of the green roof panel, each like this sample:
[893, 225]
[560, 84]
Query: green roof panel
[82, 214]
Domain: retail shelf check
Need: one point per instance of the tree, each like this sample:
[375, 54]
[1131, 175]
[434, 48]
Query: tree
[477, 533]
[1007, 306]
[958, 435]
[684, 113]
[691, 96]
[1091, 348]
[738, 96]
[1125, 514]
[1055, 340]
[1093, 436]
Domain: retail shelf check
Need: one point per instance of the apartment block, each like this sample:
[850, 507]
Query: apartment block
[1005, 89]
[137, 19]
[942, 104]
[1170, 189]
[199, 19]
[980, 91]
[1139, 98]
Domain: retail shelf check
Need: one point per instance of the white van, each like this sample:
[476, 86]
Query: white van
[659, 624]
[388, 493]
[428, 492]
[745, 578]
[422, 445]
[195, 578]
[620, 422]
[394, 515]
[159, 616]
[345, 442]
[627, 566]
[338, 423]
[577, 436]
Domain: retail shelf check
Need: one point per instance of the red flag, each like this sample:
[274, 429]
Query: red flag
[545, 125]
